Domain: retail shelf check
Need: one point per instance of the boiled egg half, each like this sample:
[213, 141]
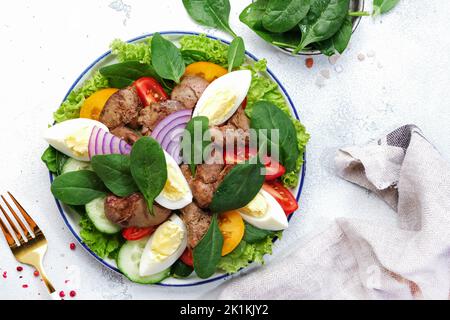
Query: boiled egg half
[71, 137]
[264, 212]
[164, 247]
[176, 193]
[223, 97]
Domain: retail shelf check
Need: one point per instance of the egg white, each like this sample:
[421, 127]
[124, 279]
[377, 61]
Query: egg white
[187, 197]
[57, 134]
[274, 220]
[149, 265]
[236, 82]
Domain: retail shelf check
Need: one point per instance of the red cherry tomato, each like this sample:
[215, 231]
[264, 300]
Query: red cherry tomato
[187, 258]
[133, 233]
[274, 169]
[244, 103]
[150, 91]
[283, 196]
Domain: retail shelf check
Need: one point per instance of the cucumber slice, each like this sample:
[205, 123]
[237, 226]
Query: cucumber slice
[75, 165]
[129, 259]
[96, 212]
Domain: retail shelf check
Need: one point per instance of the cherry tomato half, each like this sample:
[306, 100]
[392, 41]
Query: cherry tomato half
[274, 169]
[150, 91]
[187, 258]
[283, 196]
[244, 103]
[133, 233]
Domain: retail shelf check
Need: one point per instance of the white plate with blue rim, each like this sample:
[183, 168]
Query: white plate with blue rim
[72, 219]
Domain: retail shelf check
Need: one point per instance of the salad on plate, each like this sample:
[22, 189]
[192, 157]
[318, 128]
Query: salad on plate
[179, 158]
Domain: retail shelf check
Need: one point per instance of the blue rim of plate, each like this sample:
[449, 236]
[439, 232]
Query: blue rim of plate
[61, 210]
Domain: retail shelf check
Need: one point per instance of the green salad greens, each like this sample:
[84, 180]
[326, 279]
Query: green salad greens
[70, 108]
[213, 50]
[245, 253]
[103, 245]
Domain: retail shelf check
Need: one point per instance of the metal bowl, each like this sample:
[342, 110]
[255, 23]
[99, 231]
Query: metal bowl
[355, 5]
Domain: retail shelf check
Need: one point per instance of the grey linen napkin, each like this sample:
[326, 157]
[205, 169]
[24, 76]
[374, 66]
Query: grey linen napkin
[357, 259]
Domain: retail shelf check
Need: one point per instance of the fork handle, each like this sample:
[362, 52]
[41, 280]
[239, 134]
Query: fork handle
[44, 277]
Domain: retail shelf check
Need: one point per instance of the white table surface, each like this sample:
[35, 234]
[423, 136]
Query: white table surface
[404, 78]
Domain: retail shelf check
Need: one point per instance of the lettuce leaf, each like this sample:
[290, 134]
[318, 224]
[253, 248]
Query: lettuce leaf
[214, 50]
[70, 108]
[132, 51]
[101, 244]
[262, 88]
[245, 253]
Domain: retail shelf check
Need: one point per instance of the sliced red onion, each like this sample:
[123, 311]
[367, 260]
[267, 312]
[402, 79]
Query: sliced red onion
[91, 146]
[175, 133]
[175, 123]
[169, 119]
[170, 131]
[102, 142]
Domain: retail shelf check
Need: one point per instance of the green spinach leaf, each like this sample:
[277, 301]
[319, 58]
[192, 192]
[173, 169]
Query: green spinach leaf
[148, 168]
[338, 42]
[239, 187]
[114, 170]
[383, 6]
[210, 13]
[236, 53]
[322, 21]
[121, 75]
[283, 15]
[254, 235]
[167, 59]
[208, 251]
[191, 56]
[266, 115]
[252, 17]
[78, 187]
[195, 129]
[181, 270]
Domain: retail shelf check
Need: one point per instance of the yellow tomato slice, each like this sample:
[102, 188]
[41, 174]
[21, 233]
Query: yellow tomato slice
[232, 227]
[93, 106]
[207, 70]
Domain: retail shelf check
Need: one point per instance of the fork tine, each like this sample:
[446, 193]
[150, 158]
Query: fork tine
[8, 235]
[33, 225]
[13, 226]
[19, 221]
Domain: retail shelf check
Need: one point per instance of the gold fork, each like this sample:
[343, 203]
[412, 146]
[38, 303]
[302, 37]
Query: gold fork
[31, 249]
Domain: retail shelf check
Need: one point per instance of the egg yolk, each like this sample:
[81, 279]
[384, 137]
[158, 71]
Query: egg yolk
[175, 188]
[166, 240]
[257, 207]
[218, 106]
[78, 141]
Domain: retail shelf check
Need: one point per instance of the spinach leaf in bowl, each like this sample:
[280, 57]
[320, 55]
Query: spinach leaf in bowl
[252, 17]
[283, 15]
[338, 42]
[322, 21]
